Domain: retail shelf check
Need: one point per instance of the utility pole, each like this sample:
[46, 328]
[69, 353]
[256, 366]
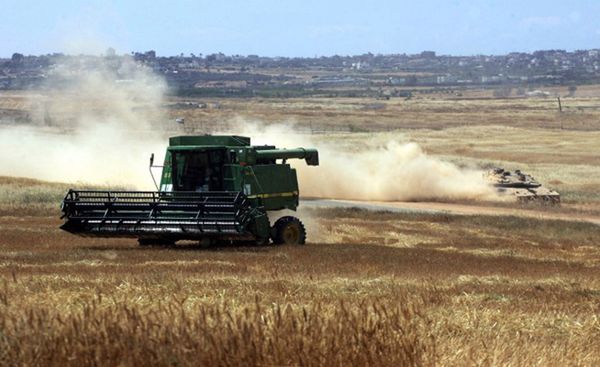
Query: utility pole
[559, 105]
[560, 113]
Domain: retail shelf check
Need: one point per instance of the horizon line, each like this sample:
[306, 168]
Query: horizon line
[203, 55]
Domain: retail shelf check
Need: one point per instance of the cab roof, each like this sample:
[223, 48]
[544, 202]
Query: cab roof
[209, 140]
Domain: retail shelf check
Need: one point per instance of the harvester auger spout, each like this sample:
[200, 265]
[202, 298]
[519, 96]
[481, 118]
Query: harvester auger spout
[212, 189]
[311, 156]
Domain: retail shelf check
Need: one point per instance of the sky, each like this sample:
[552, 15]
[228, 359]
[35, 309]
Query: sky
[297, 28]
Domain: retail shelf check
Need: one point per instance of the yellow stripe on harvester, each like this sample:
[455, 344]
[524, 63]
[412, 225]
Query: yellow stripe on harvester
[275, 195]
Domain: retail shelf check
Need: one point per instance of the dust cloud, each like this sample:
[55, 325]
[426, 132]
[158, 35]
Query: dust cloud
[385, 169]
[97, 122]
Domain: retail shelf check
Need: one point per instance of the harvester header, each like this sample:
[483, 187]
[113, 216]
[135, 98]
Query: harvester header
[212, 188]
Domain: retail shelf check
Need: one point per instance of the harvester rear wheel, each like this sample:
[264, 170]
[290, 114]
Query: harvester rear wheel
[289, 231]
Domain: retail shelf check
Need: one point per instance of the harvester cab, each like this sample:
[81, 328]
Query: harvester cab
[212, 189]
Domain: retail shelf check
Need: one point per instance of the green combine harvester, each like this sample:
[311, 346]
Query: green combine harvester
[213, 189]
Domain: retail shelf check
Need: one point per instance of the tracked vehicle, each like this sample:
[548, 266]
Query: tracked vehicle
[521, 186]
[212, 189]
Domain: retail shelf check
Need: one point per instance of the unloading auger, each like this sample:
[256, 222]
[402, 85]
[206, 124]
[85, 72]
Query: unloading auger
[212, 189]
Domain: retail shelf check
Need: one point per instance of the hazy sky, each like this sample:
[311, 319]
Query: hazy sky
[297, 28]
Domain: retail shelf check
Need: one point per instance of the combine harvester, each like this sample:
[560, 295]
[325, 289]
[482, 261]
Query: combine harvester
[213, 189]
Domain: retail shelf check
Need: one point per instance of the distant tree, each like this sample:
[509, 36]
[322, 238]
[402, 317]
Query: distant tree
[17, 58]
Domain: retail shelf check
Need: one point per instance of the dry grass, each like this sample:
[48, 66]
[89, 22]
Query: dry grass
[419, 113]
[29, 197]
[23, 196]
[371, 288]
[171, 333]
[424, 111]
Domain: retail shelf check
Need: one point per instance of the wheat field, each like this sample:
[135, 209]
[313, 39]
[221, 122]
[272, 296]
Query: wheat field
[369, 288]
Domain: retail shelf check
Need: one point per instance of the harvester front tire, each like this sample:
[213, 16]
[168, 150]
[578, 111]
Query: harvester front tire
[262, 241]
[289, 231]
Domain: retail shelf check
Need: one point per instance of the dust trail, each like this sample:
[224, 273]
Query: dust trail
[101, 118]
[392, 170]
[97, 122]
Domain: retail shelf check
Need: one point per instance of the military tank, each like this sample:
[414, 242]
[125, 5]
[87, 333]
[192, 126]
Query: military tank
[520, 185]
